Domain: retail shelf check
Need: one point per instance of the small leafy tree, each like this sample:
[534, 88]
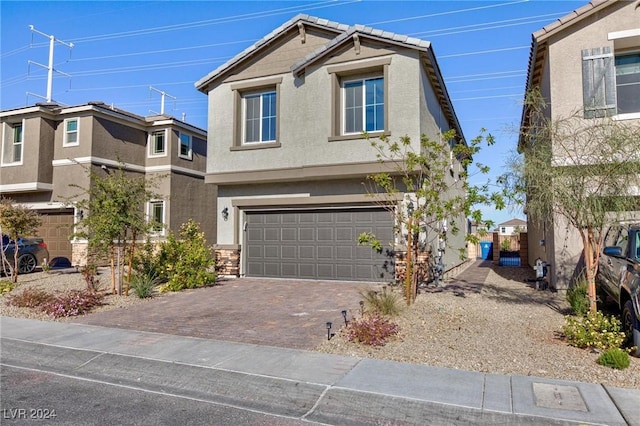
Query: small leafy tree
[434, 201]
[577, 171]
[114, 215]
[16, 221]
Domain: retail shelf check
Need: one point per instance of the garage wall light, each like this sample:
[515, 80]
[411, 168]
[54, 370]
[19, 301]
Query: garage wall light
[225, 213]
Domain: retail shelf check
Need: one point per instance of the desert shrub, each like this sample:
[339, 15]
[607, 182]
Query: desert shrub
[148, 260]
[143, 284]
[578, 297]
[187, 260]
[372, 329]
[6, 286]
[386, 302]
[71, 303]
[90, 276]
[594, 330]
[615, 358]
[29, 298]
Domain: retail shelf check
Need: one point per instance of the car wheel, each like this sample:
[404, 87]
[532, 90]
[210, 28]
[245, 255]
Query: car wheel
[629, 320]
[26, 264]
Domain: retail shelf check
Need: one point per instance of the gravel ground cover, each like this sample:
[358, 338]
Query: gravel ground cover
[507, 327]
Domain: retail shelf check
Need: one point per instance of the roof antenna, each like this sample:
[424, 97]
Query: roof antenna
[49, 68]
[163, 94]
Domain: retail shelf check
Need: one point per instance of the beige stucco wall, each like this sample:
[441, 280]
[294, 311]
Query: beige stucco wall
[561, 86]
[565, 59]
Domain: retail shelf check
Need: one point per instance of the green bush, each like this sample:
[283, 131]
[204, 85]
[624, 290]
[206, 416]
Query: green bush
[578, 298]
[595, 330]
[6, 286]
[149, 259]
[372, 329]
[386, 302]
[143, 284]
[187, 260]
[614, 358]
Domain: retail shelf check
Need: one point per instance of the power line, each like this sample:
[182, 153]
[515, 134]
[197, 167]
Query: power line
[196, 24]
[450, 12]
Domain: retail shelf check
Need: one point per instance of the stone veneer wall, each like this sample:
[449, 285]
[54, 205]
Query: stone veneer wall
[228, 262]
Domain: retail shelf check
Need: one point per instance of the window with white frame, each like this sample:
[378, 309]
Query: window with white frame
[13, 144]
[71, 128]
[628, 82]
[185, 150]
[260, 116]
[363, 105]
[156, 216]
[157, 143]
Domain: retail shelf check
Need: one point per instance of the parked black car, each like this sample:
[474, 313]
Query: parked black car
[31, 253]
[619, 274]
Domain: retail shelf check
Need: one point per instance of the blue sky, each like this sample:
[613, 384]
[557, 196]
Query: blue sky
[121, 48]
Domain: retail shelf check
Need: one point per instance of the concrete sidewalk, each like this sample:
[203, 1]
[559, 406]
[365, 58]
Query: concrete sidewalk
[305, 385]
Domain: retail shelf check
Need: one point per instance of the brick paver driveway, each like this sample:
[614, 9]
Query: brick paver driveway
[284, 313]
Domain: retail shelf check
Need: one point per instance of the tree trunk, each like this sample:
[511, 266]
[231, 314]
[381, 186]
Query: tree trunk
[131, 252]
[589, 268]
[113, 272]
[408, 271]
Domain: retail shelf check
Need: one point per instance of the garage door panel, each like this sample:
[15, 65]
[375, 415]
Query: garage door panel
[345, 253]
[307, 253]
[289, 235]
[56, 229]
[345, 234]
[317, 244]
[308, 270]
[272, 252]
[326, 253]
[289, 252]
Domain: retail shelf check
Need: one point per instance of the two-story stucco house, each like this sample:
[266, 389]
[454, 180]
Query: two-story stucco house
[47, 147]
[286, 118]
[587, 61]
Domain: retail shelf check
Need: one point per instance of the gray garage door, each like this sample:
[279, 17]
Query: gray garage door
[318, 244]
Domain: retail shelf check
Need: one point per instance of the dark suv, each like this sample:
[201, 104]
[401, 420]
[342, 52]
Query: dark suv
[619, 273]
[31, 253]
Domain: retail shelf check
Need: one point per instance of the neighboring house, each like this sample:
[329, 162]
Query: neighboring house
[588, 60]
[286, 118]
[511, 227]
[47, 147]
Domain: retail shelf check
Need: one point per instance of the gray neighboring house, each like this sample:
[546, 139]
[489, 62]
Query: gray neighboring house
[286, 118]
[46, 147]
[588, 60]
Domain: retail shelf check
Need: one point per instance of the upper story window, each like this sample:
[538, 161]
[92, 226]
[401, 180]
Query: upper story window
[359, 98]
[363, 105]
[71, 128]
[256, 114]
[185, 149]
[611, 77]
[158, 143]
[260, 117]
[628, 83]
[13, 145]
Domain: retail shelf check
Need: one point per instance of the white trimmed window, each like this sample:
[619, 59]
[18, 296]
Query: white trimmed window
[260, 116]
[158, 143]
[628, 82]
[71, 129]
[185, 149]
[363, 105]
[13, 146]
[156, 216]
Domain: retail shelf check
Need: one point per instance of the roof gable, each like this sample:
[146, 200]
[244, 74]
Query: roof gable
[513, 222]
[299, 23]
